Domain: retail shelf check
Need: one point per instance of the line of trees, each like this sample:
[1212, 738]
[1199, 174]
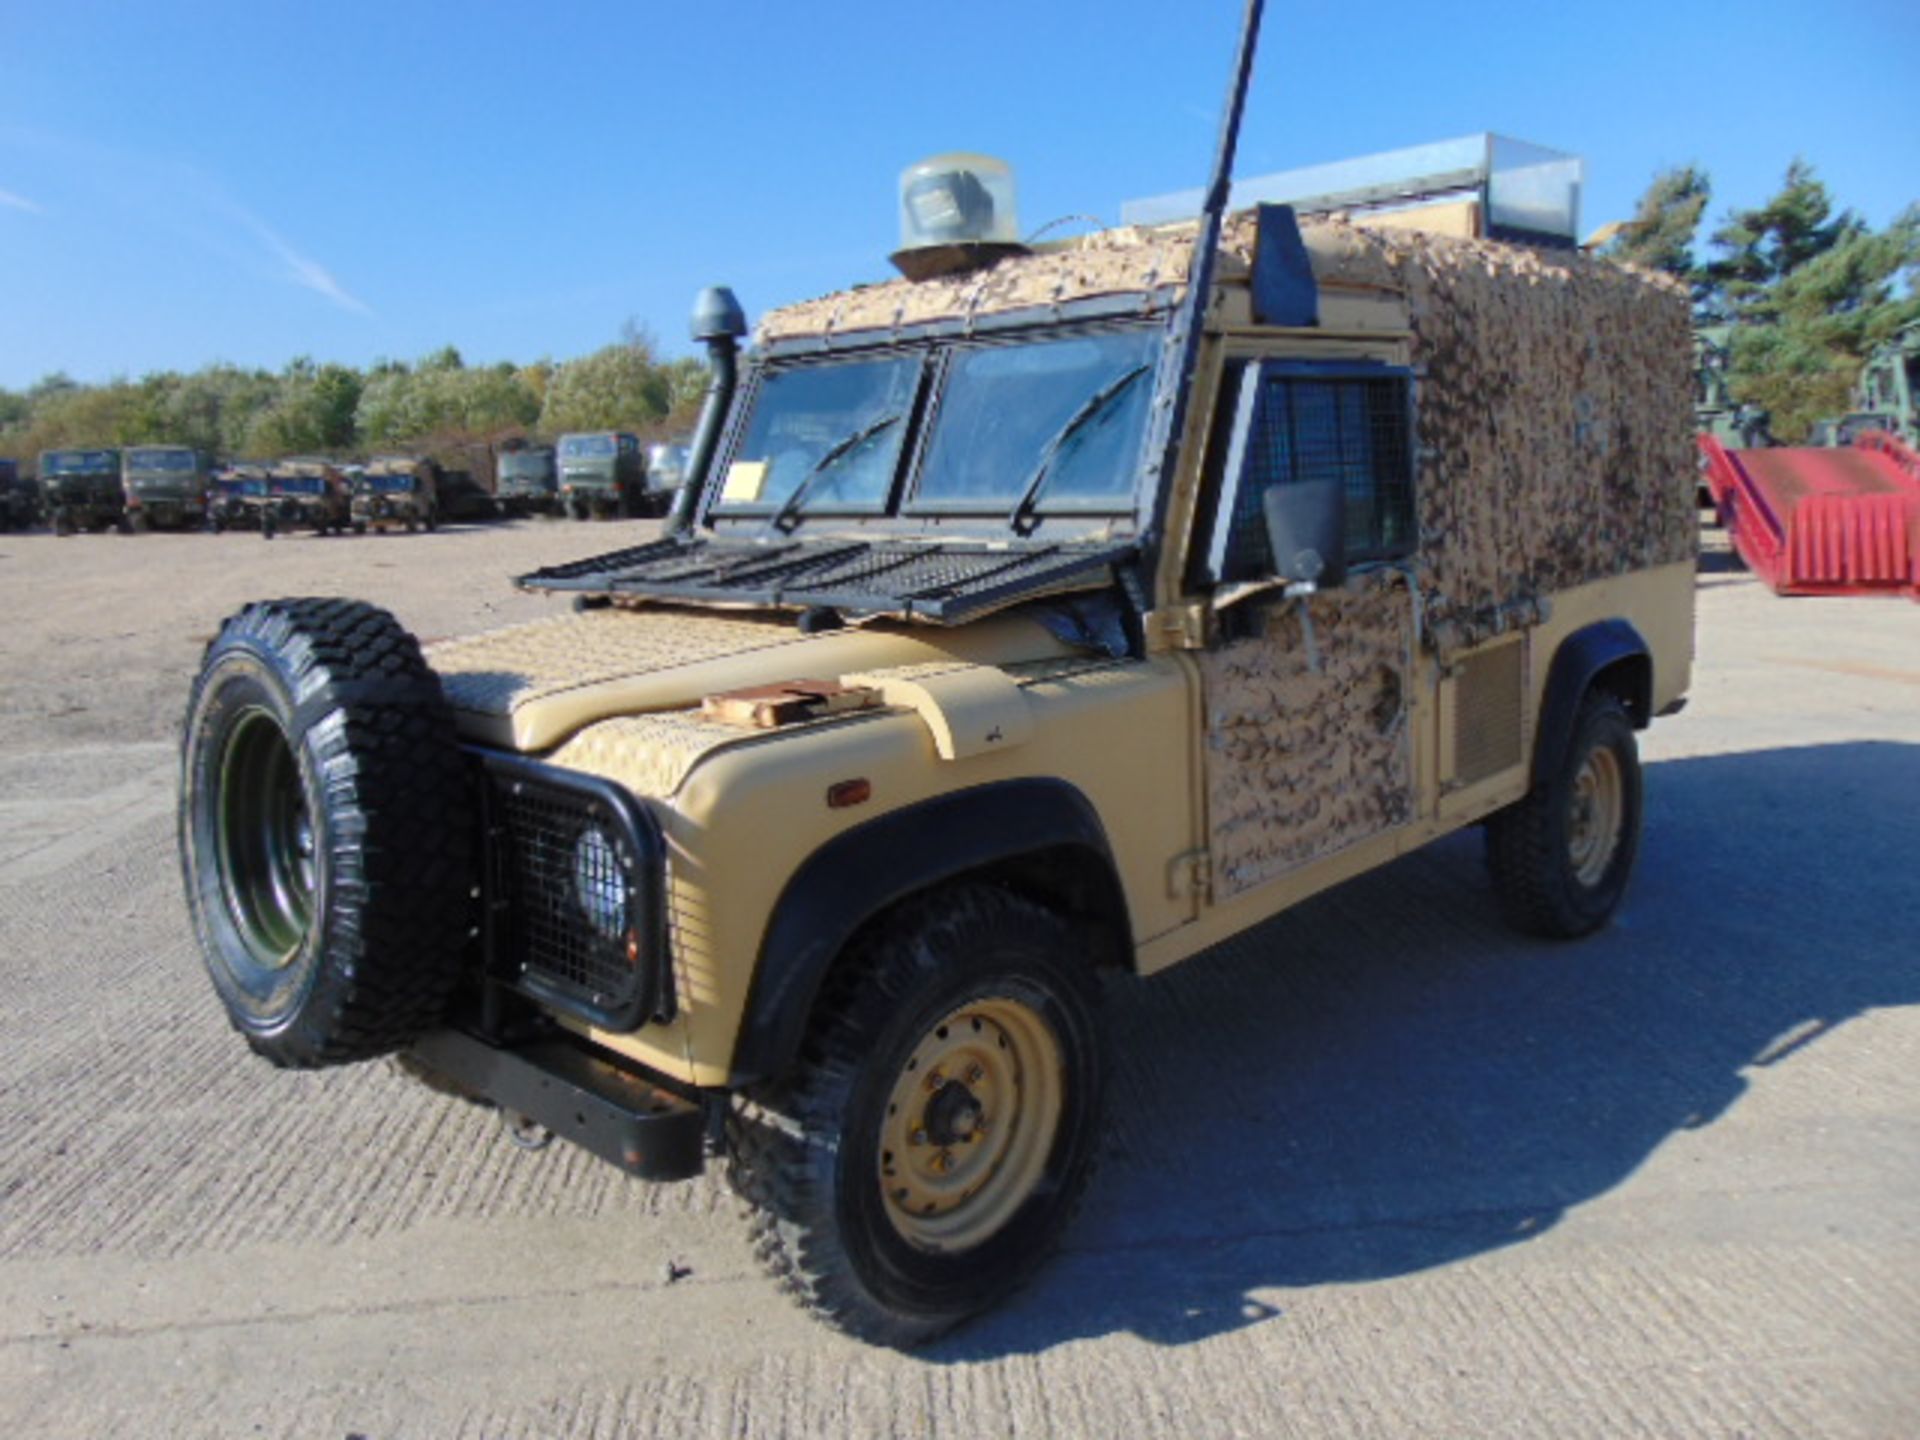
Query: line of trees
[1807, 291]
[437, 403]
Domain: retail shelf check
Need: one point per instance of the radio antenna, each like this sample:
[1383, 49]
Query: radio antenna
[1183, 339]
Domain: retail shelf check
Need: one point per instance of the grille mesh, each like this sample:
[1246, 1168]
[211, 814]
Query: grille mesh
[571, 881]
[1353, 430]
[1487, 712]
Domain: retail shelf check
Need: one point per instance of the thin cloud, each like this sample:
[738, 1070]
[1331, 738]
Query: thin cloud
[181, 198]
[302, 270]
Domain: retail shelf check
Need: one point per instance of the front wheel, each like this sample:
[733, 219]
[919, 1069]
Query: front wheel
[1561, 856]
[934, 1139]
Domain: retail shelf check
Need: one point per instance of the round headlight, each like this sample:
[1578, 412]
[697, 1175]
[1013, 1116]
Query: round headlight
[599, 882]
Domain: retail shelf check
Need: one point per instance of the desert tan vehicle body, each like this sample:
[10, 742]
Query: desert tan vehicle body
[400, 490]
[1229, 777]
[302, 492]
[820, 823]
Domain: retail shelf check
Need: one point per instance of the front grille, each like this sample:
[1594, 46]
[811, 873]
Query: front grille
[574, 893]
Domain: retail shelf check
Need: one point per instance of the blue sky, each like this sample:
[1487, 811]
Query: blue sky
[187, 183]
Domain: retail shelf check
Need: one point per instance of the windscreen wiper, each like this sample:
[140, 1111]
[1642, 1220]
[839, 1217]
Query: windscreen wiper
[1022, 518]
[788, 515]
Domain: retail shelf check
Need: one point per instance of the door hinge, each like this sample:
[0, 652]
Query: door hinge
[1192, 875]
[1182, 626]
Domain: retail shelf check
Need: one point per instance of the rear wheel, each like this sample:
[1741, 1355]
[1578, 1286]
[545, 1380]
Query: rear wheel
[325, 831]
[938, 1131]
[1561, 857]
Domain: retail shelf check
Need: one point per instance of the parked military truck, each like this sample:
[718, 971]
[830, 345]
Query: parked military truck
[165, 486]
[236, 496]
[303, 492]
[1715, 411]
[396, 490]
[527, 482]
[1886, 397]
[1063, 611]
[603, 475]
[80, 490]
[666, 472]
[19, 499]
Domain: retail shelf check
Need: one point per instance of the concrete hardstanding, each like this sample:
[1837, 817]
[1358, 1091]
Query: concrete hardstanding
[1450, 1181]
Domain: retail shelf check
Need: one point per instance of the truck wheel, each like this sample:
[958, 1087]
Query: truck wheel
[1561, 856]
[938, 1132]
[325, 831]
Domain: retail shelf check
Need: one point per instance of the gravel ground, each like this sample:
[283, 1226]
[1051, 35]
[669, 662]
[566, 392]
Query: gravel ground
[1379, 1168]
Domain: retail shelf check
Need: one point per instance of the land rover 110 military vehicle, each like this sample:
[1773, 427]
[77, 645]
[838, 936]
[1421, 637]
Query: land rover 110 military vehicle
[602, 474]
[396, 490]
[528, 482]
[236, 496]
[303, 492]
[80, 490]
[165, 485]
[1061, 612]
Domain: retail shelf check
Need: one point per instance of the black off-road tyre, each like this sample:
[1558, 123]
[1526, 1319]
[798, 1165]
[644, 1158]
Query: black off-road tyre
[1555, 873]
[326, 832]
[809, 1151]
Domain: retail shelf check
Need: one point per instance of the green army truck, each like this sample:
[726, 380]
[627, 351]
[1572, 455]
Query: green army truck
[602, 475]
[19, 498]
[1889, 387]
[81, 490]
[165, 486]
[527, 481]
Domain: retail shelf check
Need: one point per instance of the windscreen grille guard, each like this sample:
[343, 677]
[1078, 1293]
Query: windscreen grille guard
[944, 582]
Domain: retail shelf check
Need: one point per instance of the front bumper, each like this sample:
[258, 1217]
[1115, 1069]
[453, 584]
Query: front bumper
[644, 1128]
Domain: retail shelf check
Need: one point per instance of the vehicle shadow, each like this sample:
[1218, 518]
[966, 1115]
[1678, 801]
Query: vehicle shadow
[1385, 1079]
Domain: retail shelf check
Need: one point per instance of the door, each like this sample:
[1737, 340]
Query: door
[1309, 698]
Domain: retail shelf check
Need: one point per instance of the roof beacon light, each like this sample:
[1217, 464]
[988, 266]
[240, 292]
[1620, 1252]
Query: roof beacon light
[956, 213]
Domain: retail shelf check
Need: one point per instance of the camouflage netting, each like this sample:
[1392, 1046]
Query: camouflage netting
[1111, 262]
[1302, 762]
[1555, 416]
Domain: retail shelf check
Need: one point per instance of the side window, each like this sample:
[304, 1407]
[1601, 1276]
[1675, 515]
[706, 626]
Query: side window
[1294, 422]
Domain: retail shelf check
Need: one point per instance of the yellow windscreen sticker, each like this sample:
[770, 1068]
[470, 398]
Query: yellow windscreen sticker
[744, 481]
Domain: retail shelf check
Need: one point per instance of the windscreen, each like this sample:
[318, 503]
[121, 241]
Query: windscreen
[78, 462]
[836, 428]
[1070, 411]
[520, 465]
[177, 460]
[586, 447]
[390, 484]
[299, 485]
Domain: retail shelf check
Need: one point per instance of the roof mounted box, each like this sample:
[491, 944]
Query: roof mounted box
[1525, 193]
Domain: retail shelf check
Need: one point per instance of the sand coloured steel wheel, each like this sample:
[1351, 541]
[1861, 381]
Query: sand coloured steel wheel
[1596, 808]
[969, 1124]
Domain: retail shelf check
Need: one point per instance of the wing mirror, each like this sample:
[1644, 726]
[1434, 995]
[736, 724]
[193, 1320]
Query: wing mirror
[1307, 532]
